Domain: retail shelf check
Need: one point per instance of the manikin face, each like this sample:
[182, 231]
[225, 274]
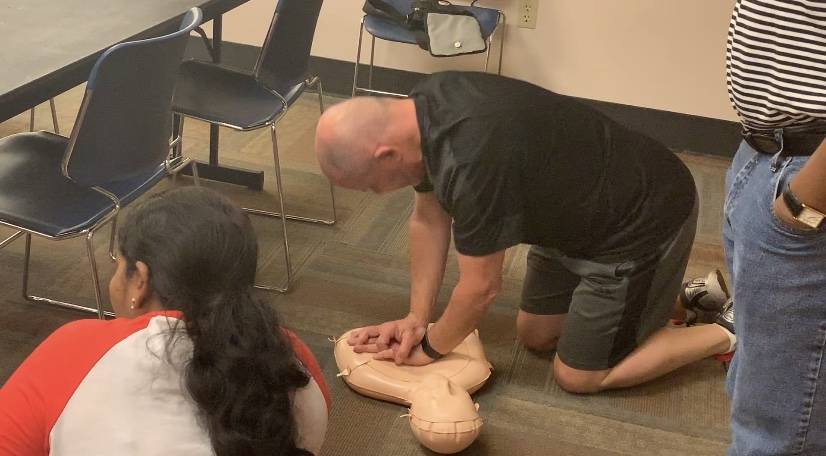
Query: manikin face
[438, 399]
[442, 415]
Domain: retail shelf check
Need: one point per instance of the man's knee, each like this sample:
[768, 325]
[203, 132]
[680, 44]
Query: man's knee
[578, 381]
[537, 342]
[538, 333]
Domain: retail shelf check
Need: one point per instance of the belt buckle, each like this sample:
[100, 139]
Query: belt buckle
[778, 139]
[769, 143]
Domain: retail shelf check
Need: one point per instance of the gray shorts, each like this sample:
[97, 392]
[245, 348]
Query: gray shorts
[611, 307]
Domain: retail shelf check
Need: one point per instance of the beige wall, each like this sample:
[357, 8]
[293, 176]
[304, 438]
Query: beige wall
[662, 54]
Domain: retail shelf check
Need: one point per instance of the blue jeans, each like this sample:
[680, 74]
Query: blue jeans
[777, 380]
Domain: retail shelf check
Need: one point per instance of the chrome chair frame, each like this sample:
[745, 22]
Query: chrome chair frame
[89, 232]
[500, 26]
[310, 82]
[54, 119]
[174, 164]
[282, 214]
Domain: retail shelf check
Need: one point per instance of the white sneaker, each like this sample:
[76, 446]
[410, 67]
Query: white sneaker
[707, 294]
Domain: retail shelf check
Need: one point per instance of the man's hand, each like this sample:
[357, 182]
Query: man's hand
[400, 335]
[417, 356]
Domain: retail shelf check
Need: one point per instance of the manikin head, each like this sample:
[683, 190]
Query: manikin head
[443, 417]
[370, 143]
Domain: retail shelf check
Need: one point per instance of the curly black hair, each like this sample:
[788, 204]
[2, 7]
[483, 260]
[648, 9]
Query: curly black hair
[202, 252]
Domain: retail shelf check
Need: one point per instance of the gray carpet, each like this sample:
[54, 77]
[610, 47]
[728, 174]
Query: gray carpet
[355, 273]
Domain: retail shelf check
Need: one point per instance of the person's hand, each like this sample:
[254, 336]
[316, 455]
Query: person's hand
[417, 356]
[785, 216]
[407, 333]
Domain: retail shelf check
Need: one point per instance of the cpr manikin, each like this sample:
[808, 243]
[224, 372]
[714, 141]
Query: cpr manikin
[442, 415]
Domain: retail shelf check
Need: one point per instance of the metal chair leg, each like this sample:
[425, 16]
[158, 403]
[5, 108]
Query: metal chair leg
[358, 59]
[95, 280]
[280, 190]
[54, 116]
[99, 310]
[332, 187]
[179, 136]
[26, 256]
[487, 53]
[282, 214]
[177, 141]
[10, 239]
[500, 27]
[372, 55]
[176, 160]
[502, 41]
[280, 185]
[196, 179]
[112, 238]
[312, 82]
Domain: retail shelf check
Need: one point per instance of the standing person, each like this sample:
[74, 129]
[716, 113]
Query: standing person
[192, 365]
[775, 236]
[611, 215]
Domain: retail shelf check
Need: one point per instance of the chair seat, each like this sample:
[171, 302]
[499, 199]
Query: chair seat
[34, 194]
[129, 189]
[227, 96]
[386, 29]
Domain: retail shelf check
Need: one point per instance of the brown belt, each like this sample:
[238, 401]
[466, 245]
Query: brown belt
[792, 141]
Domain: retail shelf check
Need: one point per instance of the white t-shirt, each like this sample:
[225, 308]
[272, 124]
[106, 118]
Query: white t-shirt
[106, 387]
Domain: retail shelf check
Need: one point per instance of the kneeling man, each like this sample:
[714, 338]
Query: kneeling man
[497, 162]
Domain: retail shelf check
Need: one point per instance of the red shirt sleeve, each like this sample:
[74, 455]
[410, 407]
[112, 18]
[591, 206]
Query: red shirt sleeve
[308, 360]
[35, 395]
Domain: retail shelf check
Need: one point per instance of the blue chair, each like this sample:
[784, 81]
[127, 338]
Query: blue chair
[61, 188]
[247, 101]
[490, 20]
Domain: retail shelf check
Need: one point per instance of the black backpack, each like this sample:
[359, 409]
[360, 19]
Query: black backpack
[443, 29]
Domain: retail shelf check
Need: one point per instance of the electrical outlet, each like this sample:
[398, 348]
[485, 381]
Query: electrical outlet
[528, 10]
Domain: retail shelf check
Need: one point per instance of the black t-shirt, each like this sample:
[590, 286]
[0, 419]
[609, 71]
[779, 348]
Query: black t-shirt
[515, 163]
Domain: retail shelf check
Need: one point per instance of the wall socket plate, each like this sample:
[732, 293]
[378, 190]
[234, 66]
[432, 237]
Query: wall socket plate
[528, 10]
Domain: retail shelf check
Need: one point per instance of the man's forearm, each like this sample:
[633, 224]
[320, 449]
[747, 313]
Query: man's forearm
[809, 185]
[466, 307]
[428, 252]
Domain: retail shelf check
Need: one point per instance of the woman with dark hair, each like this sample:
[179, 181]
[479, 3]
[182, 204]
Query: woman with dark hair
[193, 364]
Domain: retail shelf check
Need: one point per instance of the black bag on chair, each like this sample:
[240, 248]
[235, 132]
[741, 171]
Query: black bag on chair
[443, 29]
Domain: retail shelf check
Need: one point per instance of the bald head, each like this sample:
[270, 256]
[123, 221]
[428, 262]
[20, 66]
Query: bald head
[353, 136]
[348, 133]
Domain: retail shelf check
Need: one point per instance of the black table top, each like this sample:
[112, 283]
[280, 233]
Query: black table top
[50, 46]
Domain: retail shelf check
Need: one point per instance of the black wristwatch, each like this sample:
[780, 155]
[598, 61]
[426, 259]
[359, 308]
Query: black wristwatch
[804, 214]
[428, 350]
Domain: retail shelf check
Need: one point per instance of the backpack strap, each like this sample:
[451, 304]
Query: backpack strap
[381, 8]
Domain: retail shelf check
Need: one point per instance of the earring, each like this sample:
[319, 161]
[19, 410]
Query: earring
[133, 304]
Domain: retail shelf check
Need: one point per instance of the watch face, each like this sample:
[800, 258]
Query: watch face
[811, 217]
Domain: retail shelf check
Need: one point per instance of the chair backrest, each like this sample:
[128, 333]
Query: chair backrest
[123, 127]
[285, 54]
[402, 6]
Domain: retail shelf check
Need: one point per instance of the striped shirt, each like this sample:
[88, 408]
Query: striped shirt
[776, 62]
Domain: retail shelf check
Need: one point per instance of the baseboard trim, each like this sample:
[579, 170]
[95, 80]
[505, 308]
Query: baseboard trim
[680, 132]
